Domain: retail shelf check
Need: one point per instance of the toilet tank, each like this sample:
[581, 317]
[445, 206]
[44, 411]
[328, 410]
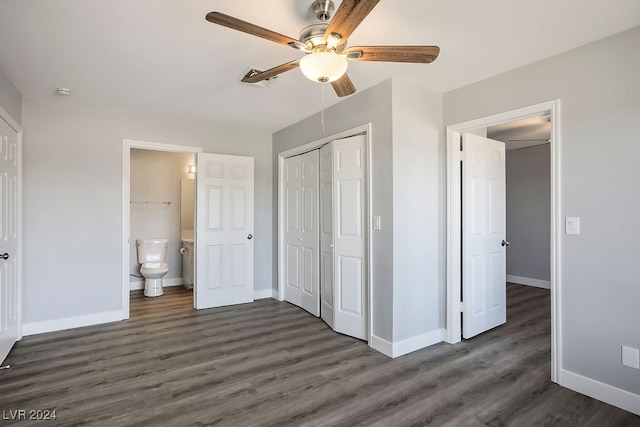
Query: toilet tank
[152, 250]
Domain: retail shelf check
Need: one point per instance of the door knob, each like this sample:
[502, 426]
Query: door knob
[249, 236]
[4, 256]
[505, 243]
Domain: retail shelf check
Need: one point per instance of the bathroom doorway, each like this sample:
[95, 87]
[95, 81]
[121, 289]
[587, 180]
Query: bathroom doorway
[158, 202]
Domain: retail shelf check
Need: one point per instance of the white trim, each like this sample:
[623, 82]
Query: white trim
[381, 345]
[366, 129]
[604, 392]
[34, 328]
[127, 145]
[407, 346]
[264, 294]
[4, 115]
[454, 328]
[138, 284]
[545, 284]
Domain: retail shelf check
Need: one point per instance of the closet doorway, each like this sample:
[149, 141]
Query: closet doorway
[323, 242]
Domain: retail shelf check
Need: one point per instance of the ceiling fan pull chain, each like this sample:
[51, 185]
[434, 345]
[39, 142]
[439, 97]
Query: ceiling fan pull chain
[322, 107]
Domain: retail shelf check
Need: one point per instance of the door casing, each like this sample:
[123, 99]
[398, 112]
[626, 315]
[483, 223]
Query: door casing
[363, 129]
[454, 221]
[127, 145]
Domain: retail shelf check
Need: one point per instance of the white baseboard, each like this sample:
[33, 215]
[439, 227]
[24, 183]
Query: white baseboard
[136, 285]
[529, 282]
[34, 328]
[612, 395]
[407, 346]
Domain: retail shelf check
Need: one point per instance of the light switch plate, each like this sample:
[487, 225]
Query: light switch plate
[376, 223]
[572, 225]
[631, 357]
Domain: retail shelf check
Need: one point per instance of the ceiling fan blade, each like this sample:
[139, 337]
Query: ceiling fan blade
[343, 86]
[348, 16]
[246, 27]
[416, 54]
[272, 72]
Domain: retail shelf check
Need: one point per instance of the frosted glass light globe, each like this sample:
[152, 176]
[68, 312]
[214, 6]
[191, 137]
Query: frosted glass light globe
[323, 66]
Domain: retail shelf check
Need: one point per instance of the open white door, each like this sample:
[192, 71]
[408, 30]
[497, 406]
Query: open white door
[301, 232]
[9, 209]
[224, 230]
[350, 246]
[326, 234]
[483, 231]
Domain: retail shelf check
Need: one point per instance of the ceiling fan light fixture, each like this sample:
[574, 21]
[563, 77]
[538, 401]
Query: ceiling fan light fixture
[323, 66]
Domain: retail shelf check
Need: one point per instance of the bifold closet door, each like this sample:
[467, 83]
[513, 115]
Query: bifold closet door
[326, 234]
[349, 217]
[301, 231]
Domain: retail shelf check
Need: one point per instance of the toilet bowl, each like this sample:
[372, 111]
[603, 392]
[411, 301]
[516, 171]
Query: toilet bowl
[151, 255]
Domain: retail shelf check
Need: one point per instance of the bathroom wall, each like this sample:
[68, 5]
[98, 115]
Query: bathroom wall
[156, 177]
[187, 205]
[528, 219]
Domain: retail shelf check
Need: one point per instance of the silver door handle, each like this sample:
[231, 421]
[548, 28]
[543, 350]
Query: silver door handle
[505, 243]
[249, 236]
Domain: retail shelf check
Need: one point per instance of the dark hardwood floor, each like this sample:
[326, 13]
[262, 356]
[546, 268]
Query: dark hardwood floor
[272, 364]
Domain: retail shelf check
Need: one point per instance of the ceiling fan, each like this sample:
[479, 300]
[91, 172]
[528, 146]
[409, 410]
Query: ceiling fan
[325, 44]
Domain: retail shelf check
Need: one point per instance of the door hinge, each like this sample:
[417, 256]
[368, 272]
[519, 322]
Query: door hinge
[461, 306]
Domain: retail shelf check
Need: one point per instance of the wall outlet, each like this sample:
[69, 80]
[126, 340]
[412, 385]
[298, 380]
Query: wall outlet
[631, 357]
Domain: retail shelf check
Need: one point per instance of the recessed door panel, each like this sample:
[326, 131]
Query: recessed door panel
[9, 208]
[224, 230]
[484, 228]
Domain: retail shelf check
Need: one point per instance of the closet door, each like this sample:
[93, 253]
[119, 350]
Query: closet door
[301, 232]
[349, 236]
[326, 234]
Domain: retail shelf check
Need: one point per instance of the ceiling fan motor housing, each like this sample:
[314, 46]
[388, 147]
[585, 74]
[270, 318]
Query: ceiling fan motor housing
[323, 9]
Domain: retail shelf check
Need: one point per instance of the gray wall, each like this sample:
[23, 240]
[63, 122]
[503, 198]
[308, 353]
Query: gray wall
[10, 98]
[73, 199]
[407, 173]
[418, 222]
[599, 88]
[528, 208]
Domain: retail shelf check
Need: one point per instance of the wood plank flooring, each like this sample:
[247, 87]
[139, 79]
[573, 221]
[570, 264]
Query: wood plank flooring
[271, 364]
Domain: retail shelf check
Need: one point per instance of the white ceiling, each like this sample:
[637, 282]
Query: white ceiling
[163, 56]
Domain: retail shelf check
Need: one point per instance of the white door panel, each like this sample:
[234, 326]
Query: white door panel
[326, 234]
[9, 209]
[224, 230]
[301, 233]
[350, 246]
[484, 228]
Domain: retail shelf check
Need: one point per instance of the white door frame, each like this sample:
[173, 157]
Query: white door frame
[127, 145]
[454, 328]
[366, 129]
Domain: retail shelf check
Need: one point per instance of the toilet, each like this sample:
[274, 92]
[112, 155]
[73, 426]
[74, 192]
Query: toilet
[152, 254]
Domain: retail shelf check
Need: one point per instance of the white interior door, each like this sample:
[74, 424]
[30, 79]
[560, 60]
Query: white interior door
[9, 210]
[224, 230]
[301, 232]
[350, 246]
[483, 231]
[326, 234]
